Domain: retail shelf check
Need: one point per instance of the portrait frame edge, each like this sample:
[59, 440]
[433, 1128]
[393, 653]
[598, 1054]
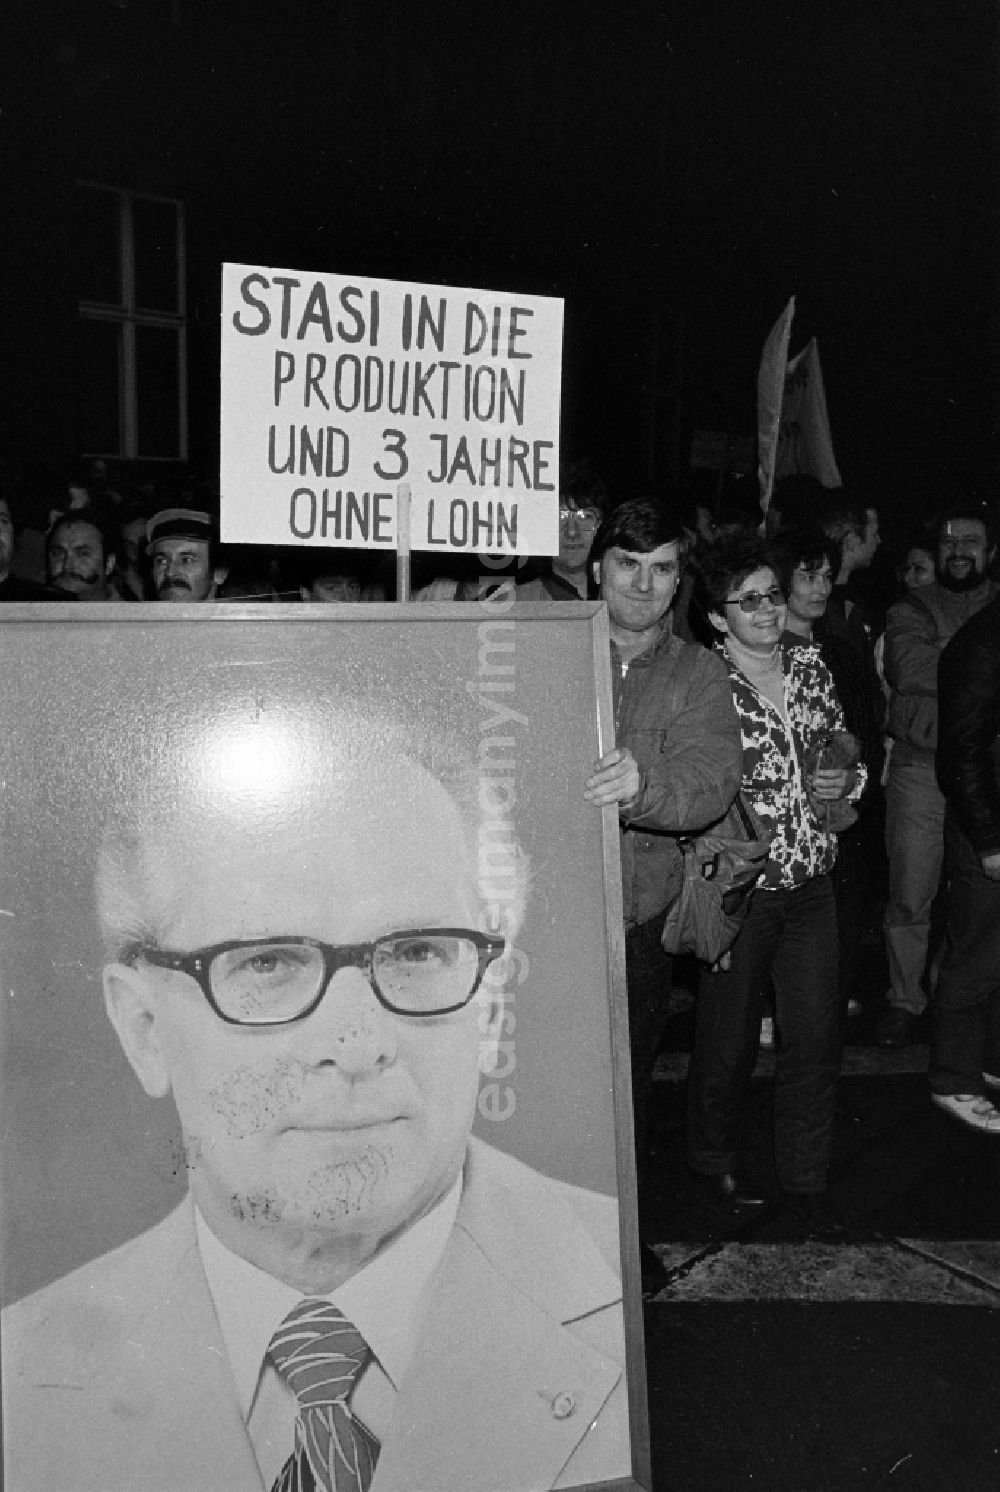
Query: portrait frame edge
[594, 615]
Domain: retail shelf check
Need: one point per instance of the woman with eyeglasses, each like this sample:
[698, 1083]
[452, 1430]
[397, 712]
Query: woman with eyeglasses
[789, 711]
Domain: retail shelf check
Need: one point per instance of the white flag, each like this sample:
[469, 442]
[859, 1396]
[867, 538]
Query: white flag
[770, 393]
[804, 442]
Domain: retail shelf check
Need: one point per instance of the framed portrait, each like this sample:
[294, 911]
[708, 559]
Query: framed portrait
[313, 979]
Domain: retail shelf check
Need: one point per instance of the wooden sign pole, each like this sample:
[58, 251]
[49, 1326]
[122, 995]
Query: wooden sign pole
[403, 542]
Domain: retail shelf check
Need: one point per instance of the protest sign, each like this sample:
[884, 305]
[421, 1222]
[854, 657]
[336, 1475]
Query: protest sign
[337, 390]
[770, 391]
[804, 440]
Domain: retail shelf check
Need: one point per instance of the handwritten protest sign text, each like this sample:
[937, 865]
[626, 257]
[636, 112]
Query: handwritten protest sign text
[335, 391]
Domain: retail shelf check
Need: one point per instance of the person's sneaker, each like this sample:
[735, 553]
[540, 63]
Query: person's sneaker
[895, 1028]
[971, 1108]
[767, 1033]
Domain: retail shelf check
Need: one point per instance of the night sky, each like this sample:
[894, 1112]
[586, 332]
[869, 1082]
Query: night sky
[676, 172]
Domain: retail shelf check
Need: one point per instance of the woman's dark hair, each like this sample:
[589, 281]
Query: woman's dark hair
[804, 545]
[726, 564]
[641, 525]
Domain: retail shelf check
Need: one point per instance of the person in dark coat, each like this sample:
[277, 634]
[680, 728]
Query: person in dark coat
[965, 1048]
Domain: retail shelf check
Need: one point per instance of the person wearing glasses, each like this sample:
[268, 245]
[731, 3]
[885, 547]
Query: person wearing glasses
[309, 979]
[583, 502]
[579, 520]
[790, 716]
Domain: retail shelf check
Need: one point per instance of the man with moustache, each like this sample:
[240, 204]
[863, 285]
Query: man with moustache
[15, 587]
[917, 630]
[80, 557]
[306, 976]
[182, 552]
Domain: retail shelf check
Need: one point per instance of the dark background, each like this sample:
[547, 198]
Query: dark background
[675, 171]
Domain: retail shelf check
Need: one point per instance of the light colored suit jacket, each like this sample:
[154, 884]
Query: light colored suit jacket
[116, 1378]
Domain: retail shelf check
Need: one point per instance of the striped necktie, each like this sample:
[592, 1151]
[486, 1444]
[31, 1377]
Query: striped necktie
[320, 1355]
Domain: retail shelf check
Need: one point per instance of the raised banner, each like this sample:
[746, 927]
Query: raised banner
[338, 389]
[770, 392]
[804, 440]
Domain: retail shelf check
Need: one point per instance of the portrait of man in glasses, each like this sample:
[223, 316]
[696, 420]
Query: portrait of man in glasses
[313, 974]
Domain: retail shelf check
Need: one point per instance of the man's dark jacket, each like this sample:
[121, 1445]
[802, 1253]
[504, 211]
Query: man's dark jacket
[968, 755]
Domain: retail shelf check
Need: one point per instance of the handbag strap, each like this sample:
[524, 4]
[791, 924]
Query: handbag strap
[738, 805]
[749, 828]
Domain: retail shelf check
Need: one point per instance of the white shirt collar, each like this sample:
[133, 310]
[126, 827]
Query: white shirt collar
[384, 1299]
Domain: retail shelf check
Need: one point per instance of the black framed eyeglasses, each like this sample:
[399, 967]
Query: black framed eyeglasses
[272, 981]
[751, 601]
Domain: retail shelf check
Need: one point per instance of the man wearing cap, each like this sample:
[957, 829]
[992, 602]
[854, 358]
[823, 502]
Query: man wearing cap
[183, 555]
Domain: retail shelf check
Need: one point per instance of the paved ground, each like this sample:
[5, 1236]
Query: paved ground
[776, 1361]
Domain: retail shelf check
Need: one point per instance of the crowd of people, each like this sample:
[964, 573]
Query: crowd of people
[95, 544]
[780, 659]
[876, 792]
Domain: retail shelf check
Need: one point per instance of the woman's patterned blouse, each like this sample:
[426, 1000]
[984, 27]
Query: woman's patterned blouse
[774, 751]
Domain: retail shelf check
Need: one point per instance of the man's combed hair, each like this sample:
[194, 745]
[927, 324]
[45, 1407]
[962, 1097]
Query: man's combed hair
[725, 565]
[136, 904]
[128, 909]
[639, 526]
